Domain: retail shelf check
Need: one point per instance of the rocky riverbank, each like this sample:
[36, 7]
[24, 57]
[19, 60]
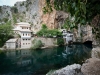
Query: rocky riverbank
[74, 69]
[90, 67]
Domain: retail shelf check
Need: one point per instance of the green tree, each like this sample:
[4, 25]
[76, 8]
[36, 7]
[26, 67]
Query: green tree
[5, 33]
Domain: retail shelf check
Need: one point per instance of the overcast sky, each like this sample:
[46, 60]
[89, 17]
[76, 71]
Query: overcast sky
[9, 2]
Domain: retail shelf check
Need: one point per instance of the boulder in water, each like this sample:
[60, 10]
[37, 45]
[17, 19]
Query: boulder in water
[91, 67]
[74, 69]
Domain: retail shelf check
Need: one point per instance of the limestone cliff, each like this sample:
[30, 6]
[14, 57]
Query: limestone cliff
[26, 11]
[32, 11]
[5, 14]
[83, 34]
[53, 20]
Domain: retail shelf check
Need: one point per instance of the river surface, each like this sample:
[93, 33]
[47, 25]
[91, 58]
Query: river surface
[41, 61]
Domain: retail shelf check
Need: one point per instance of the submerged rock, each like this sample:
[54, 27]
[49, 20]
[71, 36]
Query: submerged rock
[74, 69]
[91, 67]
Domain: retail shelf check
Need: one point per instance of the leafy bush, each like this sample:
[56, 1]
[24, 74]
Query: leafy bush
[44, 26]
[36, 44]
[5, 19]
[5, 33]
[45, 32]
[54, 32]
[49, 33]
[60, 41]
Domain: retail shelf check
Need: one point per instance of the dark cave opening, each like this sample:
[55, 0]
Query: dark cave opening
[88, 44]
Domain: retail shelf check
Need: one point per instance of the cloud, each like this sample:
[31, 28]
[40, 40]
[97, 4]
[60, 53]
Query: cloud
[9, 2]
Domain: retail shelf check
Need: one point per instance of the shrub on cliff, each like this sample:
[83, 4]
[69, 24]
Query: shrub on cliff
[45, 32]
[14, 9]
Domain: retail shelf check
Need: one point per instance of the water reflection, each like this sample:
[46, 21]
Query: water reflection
[37, 62]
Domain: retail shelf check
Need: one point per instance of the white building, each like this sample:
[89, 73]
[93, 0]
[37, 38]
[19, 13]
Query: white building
[67, 35]
[12, 44]
[24, 30]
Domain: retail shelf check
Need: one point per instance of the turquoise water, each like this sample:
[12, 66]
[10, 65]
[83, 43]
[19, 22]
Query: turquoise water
[39, 62]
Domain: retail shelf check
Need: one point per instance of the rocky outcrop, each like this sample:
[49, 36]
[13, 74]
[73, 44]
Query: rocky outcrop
[86, 32]
[5, 14]
[91, 67]
[25, 11]
[83, 34]
[68, 70]
[28, 11]
[53, 20]
[95, 52]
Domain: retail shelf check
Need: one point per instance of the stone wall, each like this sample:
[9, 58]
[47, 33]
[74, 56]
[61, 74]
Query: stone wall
[47, 41]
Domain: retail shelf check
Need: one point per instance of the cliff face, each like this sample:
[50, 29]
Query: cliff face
[54, 19]
[5, 14]
[32, 11]
[83, 34]
[26, 11]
